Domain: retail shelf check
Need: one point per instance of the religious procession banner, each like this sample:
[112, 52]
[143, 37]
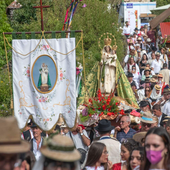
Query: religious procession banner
[44, 81]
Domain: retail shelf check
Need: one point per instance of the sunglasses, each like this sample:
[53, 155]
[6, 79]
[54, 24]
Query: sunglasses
[146, 124]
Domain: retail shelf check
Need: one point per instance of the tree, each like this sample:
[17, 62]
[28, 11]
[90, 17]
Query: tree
[94, 20]
[4, 27]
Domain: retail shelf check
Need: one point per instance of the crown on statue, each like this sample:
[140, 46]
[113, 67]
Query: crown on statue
[107, 41]
[114, 47]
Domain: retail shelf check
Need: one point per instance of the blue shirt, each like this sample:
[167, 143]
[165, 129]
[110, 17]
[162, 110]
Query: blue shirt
[122, 135]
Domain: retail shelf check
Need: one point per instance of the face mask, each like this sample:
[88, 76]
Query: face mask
[154, 156]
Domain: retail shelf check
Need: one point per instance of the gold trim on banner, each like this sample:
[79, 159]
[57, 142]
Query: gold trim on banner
[22, 99]
[33, 77]
[67, 101]
[43, 36]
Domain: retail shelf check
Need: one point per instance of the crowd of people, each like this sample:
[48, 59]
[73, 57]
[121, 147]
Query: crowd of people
[146, 67]
[143, 145]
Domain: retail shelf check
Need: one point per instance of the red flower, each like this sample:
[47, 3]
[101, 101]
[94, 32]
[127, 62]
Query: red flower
[113, 113]
[109, 113]
[90, 100]
[109, 109]
[104, 107]
[117, 103]
[122, 112]
[101, 114]
[90, 115]
[93, 109]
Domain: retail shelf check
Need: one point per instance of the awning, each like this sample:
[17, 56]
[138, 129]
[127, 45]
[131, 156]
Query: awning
[147, 15]
[165, 29]
[161, 8]
[160, 18]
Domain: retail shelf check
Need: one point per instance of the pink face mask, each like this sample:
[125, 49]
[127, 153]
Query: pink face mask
[154, 156]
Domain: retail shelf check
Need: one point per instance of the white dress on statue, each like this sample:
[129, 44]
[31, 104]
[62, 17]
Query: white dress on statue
[110, 72]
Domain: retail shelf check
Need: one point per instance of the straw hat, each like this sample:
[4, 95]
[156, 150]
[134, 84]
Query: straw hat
[10, 140]
[160, 75]
[166, 118]
[157, 53]
[147, 69]
[152, 80]
[131, 42]
[147, 118]
[139, 39]
[157, 87]
[60, 148]
[138, 137]
[166, 91]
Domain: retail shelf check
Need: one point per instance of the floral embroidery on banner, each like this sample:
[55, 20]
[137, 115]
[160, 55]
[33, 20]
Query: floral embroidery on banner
[62, 74]
[45, 120]
[44, 47]
[45, 98]
[21, 111]
[27, 71]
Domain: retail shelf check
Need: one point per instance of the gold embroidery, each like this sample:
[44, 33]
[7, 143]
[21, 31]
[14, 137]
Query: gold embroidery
[45, 109]
[22, 99]
[67, 101]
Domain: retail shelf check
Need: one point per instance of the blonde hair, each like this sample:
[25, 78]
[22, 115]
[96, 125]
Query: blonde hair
[156, 119]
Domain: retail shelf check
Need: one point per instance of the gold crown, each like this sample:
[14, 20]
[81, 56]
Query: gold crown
[114, 47]
[107, 41]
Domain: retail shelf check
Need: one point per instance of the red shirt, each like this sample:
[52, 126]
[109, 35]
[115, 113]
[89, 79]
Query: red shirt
[151, 35]
[116, 166]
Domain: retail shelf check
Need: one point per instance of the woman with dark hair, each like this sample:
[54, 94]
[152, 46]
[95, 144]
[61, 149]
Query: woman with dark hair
[135, 158]
[97, 158]
[157, 150]
[127, 146]
[143, 63]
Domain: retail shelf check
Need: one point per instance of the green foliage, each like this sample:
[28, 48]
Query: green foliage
[5, 97]
[24, 15]
[4, 27]
[162, 2]
[94, 20]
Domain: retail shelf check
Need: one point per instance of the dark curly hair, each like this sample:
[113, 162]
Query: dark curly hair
[141, 152]
[130, 144]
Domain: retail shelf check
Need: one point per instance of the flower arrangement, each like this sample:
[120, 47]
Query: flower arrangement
[102, 107]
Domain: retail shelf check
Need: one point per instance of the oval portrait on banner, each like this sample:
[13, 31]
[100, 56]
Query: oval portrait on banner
[44, 74]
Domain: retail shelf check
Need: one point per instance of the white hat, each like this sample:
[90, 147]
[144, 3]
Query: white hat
[132, 48]
[148, 40]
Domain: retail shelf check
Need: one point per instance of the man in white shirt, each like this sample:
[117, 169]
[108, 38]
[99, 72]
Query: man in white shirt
[37, 141]
[166, 73]
[126, 29]
[157, 64]
[112, 144]
[164, 98]
[79, 137]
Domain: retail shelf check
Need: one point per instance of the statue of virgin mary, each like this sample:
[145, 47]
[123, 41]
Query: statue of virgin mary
[108, 68]
[44, 78]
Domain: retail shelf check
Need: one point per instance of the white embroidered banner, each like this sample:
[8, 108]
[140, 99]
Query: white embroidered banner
[44, 81]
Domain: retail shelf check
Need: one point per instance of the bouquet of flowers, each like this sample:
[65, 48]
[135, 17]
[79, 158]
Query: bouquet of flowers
[101, 107]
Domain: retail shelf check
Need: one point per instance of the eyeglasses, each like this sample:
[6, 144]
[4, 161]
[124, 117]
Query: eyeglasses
[122, 122]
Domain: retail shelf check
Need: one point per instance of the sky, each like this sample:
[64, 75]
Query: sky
[51, 69]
